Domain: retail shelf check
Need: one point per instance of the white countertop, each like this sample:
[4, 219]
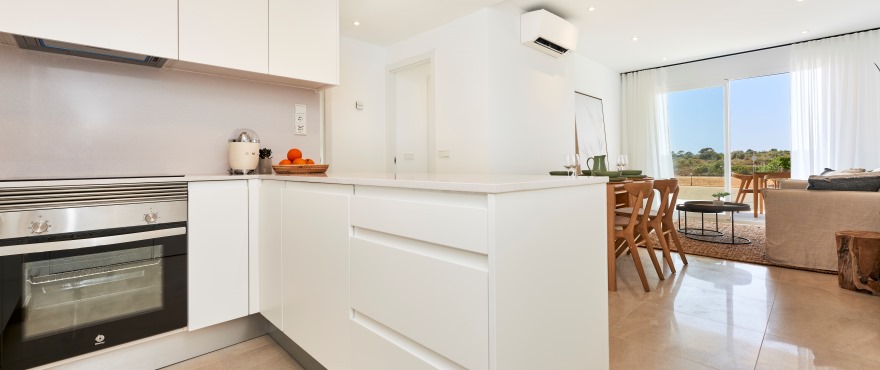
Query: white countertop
[447, 182]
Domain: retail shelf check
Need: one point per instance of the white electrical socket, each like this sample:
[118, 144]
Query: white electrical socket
[299, 120]
[444, 154]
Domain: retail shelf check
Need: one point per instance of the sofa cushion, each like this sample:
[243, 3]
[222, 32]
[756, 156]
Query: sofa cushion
[866, 181]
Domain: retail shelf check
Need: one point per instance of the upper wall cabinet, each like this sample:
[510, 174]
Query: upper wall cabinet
[304, 39]
[138, 26]
[225, 33]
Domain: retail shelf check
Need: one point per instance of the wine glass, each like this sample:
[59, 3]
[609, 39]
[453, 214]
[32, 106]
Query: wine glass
[621, 162]
[570, 163]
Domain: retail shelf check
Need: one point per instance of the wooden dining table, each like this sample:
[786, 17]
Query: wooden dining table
[759, 182]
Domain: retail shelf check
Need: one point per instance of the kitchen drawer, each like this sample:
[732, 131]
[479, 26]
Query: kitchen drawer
[463, 226]
[433, 295]
[373, 351]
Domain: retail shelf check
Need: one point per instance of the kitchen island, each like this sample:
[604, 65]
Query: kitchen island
[376, 271]
[439, 271]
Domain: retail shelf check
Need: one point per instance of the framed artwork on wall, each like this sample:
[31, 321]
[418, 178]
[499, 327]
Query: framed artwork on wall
[590, 126]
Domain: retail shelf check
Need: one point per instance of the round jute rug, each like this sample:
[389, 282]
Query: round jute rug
[751, 253]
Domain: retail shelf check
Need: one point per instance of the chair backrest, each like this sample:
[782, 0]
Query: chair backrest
[668, 195]
[745, 180]
[638, 192]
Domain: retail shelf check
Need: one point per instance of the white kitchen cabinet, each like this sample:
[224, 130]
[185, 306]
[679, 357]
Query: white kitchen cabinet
[304, 39]
[218, 252]
[140, 26]
[270, 267]
[315, 237]
[225, 33]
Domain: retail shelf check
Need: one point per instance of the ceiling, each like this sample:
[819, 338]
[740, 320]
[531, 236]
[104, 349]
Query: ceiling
[677, 30]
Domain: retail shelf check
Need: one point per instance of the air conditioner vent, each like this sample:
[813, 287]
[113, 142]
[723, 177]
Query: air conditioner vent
[539, 27]
[549, 45]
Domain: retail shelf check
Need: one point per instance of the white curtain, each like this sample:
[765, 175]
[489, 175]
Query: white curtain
[835, 104]
[645, 122]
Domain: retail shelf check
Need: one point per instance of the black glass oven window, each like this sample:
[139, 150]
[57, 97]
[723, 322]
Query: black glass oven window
[66, 293]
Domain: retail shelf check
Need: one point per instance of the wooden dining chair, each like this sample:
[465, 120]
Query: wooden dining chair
[745, 186]
[627, 229]
[669, 230]
[660, 220]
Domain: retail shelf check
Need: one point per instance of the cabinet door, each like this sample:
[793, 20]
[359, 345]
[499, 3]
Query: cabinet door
[271, 278]
[226, 33]
[304, 39]
[218, 252]
[139, 26]
[315, 240]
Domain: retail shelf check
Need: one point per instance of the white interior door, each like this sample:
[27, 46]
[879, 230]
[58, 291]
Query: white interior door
[411, 121]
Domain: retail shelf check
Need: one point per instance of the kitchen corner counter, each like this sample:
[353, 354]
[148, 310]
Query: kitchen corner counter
[445, 182]
[490, 184]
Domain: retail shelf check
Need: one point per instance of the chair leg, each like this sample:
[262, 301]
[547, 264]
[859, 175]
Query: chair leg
[673, 234]
[630, 241]
[643, 230]
[665, 246]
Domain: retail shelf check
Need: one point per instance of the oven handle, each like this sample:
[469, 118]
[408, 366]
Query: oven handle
[87, 243]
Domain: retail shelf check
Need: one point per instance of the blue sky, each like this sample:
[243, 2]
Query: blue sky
[759, 116]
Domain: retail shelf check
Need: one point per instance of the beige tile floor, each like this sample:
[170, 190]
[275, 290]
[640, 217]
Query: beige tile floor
[712, 314]
[732, 315]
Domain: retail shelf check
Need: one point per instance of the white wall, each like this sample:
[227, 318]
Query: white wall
[69, 117]
[594, 79]
[500, 107]
[461, 86]
[356, 139]
[531, 97]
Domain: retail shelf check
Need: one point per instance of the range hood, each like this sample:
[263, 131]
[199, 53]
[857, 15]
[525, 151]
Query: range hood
[67, 48]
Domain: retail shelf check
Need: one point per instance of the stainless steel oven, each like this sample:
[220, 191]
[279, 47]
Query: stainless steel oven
[83, 268]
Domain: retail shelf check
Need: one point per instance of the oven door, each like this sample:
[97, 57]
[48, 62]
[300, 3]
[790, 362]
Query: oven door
[71, 294]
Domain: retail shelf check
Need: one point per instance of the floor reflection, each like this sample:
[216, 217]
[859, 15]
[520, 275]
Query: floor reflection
[723, 314]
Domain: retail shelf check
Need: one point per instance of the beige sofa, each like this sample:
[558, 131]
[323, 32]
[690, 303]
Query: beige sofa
[801, 223]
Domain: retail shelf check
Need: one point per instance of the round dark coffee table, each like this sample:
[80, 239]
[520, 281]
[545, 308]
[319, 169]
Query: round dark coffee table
[713, 236]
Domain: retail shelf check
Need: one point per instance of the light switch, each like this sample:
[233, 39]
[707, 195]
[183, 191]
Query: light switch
[444, 154]
[409, 156]
[299, 120]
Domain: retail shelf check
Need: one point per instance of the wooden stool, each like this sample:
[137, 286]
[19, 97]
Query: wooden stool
[858, 261]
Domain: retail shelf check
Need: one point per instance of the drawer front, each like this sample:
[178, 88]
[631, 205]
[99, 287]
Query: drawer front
[373, 351]
[456, 226]
[432, 295]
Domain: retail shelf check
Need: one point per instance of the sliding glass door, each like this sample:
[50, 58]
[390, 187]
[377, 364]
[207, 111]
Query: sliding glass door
[696, 137]
[755, 136]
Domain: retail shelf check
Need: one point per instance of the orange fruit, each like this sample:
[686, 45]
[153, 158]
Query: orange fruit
[299, 161]
[294, 154]
[309, 161]
[284, 162]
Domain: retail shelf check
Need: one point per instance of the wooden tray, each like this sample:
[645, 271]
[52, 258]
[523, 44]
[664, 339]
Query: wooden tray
[300, 168]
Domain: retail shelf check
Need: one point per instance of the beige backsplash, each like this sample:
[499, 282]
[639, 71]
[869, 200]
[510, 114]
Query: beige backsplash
[64, 116]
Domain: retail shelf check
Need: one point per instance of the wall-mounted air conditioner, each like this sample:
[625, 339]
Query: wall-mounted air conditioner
[547, 33]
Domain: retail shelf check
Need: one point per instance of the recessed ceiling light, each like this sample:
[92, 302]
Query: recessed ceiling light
[800, 1]
[592, 8]
[804, 32]
[635, 38]
[356, 23]
[664, 58]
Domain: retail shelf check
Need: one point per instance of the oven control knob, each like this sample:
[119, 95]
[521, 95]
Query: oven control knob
[39, 227]
[151, 217]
